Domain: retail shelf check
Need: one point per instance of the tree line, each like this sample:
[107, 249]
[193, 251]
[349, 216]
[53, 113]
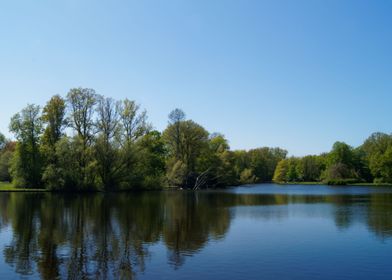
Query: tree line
[369, 163]
[85, 141]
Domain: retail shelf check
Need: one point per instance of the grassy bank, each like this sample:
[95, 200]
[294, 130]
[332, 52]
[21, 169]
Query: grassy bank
[9, 187]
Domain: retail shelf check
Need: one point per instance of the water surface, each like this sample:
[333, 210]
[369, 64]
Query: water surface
[255, 232]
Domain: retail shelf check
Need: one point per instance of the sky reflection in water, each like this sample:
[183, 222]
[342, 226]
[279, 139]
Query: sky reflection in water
[265, 231]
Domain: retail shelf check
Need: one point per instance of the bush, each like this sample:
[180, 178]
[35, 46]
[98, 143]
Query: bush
[341, 182]
[247, 176]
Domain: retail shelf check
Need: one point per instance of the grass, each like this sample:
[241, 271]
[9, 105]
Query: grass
[9, 187]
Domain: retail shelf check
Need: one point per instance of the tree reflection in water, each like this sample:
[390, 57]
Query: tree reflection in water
[102, 236]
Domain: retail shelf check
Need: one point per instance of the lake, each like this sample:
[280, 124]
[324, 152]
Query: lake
[252, 232]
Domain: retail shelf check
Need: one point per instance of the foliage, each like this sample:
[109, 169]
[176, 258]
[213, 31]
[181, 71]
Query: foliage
[186, 142]
[305, 169]
[310, 168]
[7, 149]
[3, 141]
[27, 164]
[377, 156]
[90, 142]
[280, 174]
[247, 176]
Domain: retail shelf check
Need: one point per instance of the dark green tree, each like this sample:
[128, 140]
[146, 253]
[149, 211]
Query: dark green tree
[54, 118]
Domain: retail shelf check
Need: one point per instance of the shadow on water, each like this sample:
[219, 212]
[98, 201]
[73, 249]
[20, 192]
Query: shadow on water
[109, 236]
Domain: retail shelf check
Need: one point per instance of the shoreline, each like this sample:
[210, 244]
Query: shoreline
[8, 187]
[323, 184]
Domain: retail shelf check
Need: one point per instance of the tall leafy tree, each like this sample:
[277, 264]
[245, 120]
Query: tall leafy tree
[2, 141]
[185, 141]
[133, 120]
[375, 152]
[106, 150]
[214, 163]
[280, 174]
[82, 103]
[7, 149]
[342, 154]
[310, 168]
[134, 126]
[263, 162]
[184, 149]
[53, 117]
[176, 118]
[341, 164]
[150, 163]
[27, 127]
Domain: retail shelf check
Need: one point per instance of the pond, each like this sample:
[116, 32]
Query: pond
[252, 232]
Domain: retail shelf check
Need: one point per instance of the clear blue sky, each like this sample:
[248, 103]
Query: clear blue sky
[294, 74]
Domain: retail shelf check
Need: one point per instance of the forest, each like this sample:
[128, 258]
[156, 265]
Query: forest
[369, 163]
[87, 142]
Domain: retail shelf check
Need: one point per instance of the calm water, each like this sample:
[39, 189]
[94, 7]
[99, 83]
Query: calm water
[259, 232]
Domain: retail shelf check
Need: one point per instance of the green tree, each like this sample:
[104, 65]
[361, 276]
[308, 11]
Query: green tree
[6, 154]
[247, 176]
[213, 163]
[4, 175]
[133, 120]
[227, 174]
[280, 175]
[193, 140]
[341, 165]
[82, 103]
[375, 156]
[106, 146]
[67, 152]
[310, 168]
[176, 118]
[134, 126]
[342, 154]
[263, 162]
[27, 127]
[292, 172]
[382, 166]
[5, 162]
[54, 118]
[150, 165]
[3, 141]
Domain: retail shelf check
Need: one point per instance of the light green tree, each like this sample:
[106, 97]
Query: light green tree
[27, 164]
[81, 103]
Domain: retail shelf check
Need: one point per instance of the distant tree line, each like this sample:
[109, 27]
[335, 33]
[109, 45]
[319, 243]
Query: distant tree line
[86, 141]
[369, 163]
